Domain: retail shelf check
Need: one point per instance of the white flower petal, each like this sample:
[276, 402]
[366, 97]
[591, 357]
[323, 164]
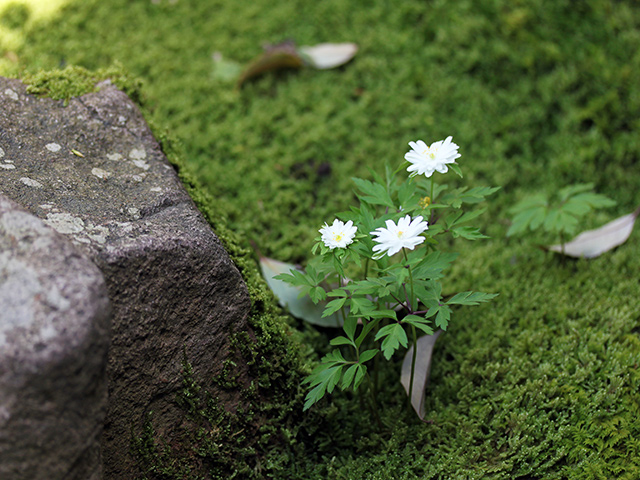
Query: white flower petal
[425, 160]
[338, 235]
[395, 237]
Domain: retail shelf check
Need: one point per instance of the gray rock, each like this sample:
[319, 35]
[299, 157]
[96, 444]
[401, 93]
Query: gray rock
[54, 335]
[93, 171]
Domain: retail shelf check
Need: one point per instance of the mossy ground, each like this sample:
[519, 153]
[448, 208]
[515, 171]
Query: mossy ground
[543, 383]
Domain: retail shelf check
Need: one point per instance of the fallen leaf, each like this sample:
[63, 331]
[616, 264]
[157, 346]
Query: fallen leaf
[276, 57]
[421, 375]
[288, 295]
[593, 243]
[328, 55]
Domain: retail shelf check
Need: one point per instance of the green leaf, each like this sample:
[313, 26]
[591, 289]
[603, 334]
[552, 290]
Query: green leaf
[360, 374]
[429, 293]
[407, 195]
[333, 306]
[368, 326]
[419, 322]
[534, 215]
[362, 306]
[314, 395]
[575, 207]
[373, 193]
[474, 195]
[367, 355]
[530, 202]
[433, 264]
[471, 298]
[594, 200]
[455, 168]
[394, 336]
[550, 220]
[571, 190]
[538, 218]
[347, 378]
[338, 292]
[466, 217]
[470, 233]
[443, 317]
[324, 377]
[566, 222]
[384, 313]
[340, 341]
[350, 325]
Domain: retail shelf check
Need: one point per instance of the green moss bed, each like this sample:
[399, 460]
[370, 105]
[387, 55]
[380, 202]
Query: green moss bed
[543, 382]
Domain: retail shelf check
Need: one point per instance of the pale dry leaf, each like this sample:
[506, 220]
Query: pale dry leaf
[593, 243]
[288, 295]
[421, 375]
[328, 55]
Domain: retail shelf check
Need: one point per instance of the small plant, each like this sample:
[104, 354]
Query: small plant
[560, 216]
[380, 266]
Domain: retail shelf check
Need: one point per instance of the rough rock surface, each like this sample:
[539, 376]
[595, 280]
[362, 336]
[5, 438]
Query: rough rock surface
[54, 333]
[93, 171]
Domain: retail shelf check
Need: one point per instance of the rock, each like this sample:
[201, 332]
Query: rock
[93, 171]
[54, 334]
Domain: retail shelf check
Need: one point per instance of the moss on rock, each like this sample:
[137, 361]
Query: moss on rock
[74, 81]
[273, 354]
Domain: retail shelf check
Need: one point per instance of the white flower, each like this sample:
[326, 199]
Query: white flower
[338, 235]
[428, 159]
[406, 234]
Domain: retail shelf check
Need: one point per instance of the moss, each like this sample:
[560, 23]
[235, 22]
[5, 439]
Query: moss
[74, 81]
[14, 15]
[541, 384]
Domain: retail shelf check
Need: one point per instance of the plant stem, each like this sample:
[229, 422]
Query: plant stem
[342, 310]
[411, 299]
[431, 199]
[376, 359]
[413, 330]
[432, 182]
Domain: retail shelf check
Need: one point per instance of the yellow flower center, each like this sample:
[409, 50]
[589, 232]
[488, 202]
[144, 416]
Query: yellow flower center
[337, 237]
[425, 202]
[429, 152]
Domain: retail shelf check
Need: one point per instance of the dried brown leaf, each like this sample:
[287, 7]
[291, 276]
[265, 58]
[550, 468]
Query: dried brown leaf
[276, 57]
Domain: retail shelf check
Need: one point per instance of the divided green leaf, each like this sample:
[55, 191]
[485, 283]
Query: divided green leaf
[471, 298]
[394, 336]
